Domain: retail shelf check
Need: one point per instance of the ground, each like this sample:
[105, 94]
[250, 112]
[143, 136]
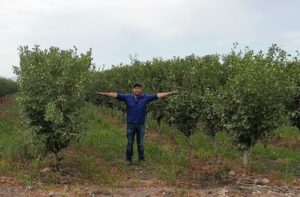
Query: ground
[9, 188]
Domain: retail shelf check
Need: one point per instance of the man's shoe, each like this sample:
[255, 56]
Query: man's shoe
[142, 162]
[128, 163]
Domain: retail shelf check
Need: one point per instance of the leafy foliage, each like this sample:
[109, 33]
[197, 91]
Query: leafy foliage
[52, 94]
[255, 99]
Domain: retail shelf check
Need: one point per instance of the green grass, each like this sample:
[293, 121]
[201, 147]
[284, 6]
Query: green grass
[203, 146]
[288, 132]
[99, 152]
[282, 156]
[108, 143]
[9, 139]
[15, 143]
[18, 148]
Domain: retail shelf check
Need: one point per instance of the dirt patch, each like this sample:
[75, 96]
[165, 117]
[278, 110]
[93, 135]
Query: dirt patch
[11, 189]
[5, 104]
[7, 101]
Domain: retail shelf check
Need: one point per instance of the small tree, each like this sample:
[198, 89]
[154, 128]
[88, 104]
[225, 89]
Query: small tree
[52, 94]
[210, 76]
[212, 113]
[255, 101]
[294, 105]
[183, 112]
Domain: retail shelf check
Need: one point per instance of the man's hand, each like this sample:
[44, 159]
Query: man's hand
[174, 92]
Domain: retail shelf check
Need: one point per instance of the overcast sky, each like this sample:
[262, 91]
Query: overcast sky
[114, 29]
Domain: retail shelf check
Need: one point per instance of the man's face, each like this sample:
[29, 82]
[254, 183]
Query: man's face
[137, 91]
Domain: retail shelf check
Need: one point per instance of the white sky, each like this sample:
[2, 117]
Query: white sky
[114, 29]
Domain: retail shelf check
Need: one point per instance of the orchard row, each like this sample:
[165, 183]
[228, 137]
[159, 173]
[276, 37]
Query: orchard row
[245, 93]
[248, 94]
[7, 87]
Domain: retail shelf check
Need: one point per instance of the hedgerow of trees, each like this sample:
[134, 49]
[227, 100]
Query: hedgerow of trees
[245, 93]
[7, 86]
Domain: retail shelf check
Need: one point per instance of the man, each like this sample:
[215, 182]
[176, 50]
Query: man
[136, 105]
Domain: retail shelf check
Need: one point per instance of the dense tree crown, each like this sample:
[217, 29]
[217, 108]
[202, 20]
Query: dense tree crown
[52, 94]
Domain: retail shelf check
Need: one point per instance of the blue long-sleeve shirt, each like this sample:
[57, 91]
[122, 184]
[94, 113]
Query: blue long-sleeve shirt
[136, 106]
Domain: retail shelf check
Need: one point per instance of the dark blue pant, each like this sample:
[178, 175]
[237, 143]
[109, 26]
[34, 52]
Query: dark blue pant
[132, 129]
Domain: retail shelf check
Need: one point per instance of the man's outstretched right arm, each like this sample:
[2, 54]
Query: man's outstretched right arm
[111, 94]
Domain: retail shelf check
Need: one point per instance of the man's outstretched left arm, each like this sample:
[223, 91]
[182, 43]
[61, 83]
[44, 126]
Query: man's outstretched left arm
[166, 94]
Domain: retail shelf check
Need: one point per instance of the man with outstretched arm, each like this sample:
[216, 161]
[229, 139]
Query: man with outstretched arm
[136, 105]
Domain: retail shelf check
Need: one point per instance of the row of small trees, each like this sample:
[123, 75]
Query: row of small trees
[246, 93]
[7, 87]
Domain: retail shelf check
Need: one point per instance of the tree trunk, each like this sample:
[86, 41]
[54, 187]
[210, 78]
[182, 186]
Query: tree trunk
[159, 123]
[246, 156]
[172, 132]
[57, 159]
[214, 144]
